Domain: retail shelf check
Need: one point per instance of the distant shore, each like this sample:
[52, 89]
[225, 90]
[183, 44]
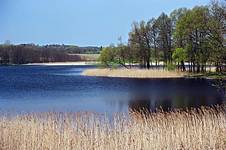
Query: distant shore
[80, 63]
[133, 73]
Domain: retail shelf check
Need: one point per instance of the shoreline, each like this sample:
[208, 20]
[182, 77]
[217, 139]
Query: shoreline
[133, 73]
[150, 74]
[80, 63]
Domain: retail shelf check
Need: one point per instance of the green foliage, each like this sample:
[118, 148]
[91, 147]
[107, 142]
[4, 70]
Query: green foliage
[171, 67]
[199, 31]
[107, 56]
[115, 56]
[179, 55]
[194, 34]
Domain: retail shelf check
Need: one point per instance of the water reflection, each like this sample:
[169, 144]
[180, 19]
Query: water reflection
[146, 105]
[149, 95]
[140, 105]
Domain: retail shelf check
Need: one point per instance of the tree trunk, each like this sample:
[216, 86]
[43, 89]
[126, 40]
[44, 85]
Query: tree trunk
[198, 67]
[148, 64]
[183, 66]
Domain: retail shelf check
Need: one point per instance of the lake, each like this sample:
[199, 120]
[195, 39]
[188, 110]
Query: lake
[64, 89]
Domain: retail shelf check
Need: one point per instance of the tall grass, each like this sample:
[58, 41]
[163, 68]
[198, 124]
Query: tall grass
[134, 73]
[194, 129]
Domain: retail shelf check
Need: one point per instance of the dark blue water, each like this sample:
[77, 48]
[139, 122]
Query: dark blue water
[62, 88]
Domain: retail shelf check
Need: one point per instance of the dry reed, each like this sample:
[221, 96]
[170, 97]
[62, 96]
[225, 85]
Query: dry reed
[133, 73]
[202, 129]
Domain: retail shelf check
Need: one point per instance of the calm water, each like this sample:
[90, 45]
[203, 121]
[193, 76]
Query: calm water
[62, 88]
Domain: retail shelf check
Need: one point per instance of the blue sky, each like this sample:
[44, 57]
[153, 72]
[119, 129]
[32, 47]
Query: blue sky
[78, 22]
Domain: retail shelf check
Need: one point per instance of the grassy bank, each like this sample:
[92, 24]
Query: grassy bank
[133, 73]
[173, 130]
[209, 75]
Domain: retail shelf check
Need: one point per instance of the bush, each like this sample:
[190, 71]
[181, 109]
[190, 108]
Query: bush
[171, 67]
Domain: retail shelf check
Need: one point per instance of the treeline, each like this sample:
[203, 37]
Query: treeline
[186, 37]
[71, 49]
[30, 53]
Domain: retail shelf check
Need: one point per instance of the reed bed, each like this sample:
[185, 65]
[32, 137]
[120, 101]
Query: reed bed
[193, 129]
[134, 73]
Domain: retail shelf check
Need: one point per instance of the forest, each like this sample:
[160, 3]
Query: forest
[187, 39]
[30, 53]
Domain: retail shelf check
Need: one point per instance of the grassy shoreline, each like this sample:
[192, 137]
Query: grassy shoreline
[195, 129]
[152, 73]
[209, 75]
[133, 73]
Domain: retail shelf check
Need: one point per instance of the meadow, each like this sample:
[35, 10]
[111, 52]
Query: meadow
[200, 129]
